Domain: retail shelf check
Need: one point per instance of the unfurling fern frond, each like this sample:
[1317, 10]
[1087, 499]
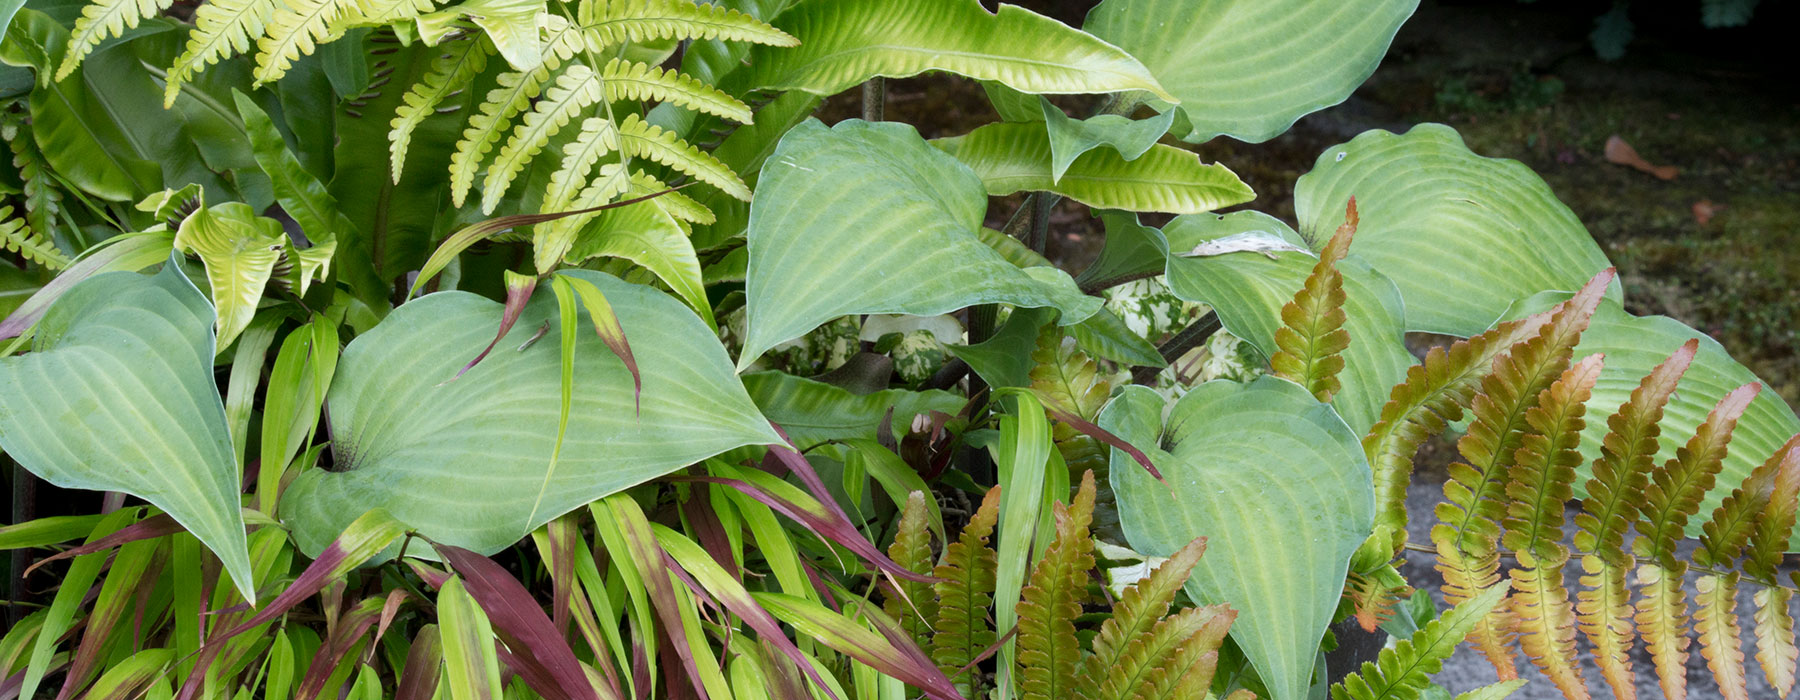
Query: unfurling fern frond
[1049, 652]
[1312, 336]
[916, 606]
[450, 73]
[222, 28]
[964, 594]
[576, 89]
[630, 80]
[1716, 621]
[294, 31]
[15, 236]
[101, 19]
[607, 23]
[641, 139]
[1065, 378]
[1401, 672]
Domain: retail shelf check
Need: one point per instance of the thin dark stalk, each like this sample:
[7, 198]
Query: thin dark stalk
[24, 508]
[874, 99]
[1184, 340]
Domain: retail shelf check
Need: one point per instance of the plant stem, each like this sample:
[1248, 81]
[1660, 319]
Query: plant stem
[24, 508]
[874, 99]
[1184, 340]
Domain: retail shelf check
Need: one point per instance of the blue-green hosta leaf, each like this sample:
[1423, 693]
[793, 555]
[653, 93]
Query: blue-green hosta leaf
[1016, 156]
[813, 412]
[1633, 346]
[118, 395]
[1462, 236]
[1278, 486]
[1250, 68]
[239, 249]
[1247, 290]
[900, 236]
[463, 462]
[1069, 138]
[845, 42]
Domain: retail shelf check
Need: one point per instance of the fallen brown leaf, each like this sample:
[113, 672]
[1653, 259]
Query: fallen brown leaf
[1617, 151]
[1704, 210]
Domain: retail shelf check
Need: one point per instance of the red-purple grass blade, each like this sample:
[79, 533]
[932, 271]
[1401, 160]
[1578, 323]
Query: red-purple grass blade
[469, 235]
[606, 324]
[389, 609]
[130, 571]
[847, 637]
[837, 525]
[647, 555]
[704, 521]
[419, 680]
[10, 687]
[810, 513]
[779, 673]
[1103, 435]
[682, 554]
[518, 292]
[153, 526]
[519, 620]
[351, 628]
[564, 537]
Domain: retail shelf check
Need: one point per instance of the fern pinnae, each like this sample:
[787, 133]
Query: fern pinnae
[1603, 613]
[294, 31]
[630, 80]
[1312, 336]
[1776, 651]
[1188, 672]
[964, 594]
[1627, 455]
[597, 138]
[513, 94]
[102, 19]
[1547, 624]
[222, 28]
[1715, 619]
[1164, 642]
[1544, 466]
[673, 203]
[641, 139]
[1404, 669]
[1048, 651]
[1465, 577]
[1676, 488]
[451, 72]
[576, 89]
[1138, 609]
[1775, 648]
[553, 240]
[614, 22]
[914, 606]
[1662, 621]
[17, 237]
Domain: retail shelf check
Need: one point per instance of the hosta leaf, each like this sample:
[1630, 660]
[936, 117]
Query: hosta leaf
[465, 461]
[903, 239]
[1239, 456]
[130, 357]
[1069, 138]
[1248, 290]
[814, 412]
[845, 42]
[239, 249]
[1220, 57]
[1015, 157]
[1462, 236]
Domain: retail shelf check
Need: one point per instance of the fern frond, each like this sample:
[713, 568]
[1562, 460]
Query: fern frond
[1769, 539]
[1066, 378]
[1547, 623]
[222, 28]
[1715, 619]
[964, 594]
[294, 31]
[609, 23]
[370, 13]
[451, 72]
[1662, 621]
[19, 238]
[1374, 596]
[1722, 538]
[1049, 653]
[1188, 673]
[630, 80]
[641, 139]
[1543, 472]
[1775, 649]
[1160, 648]
[597, 139]
[1603, 611]
[1676, 488]
[1465, 578]
[1404, 669]
[1137, 611]
[552, 241]
[513, 94]
[916, 606]
[673, 203]
[42, 198]
[1494, 691]
[1627, 454]
[101, 19]
[576, 89]
[1312, 336]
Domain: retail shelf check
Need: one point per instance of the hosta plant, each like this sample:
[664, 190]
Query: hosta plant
[546, 348]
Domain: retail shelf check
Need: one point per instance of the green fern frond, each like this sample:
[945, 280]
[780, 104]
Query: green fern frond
[1148, 660]
[597, 138]
[1402, 671]
[912, 549]
[1715, 619]
[675, 204]
[294, 31]
[1312, 336]
[101, 19]
[552, 241]
[964, 594]
[1138, 610]
[630, 80]
[369, 13]
[451, 72]
[1049, 652]
[609, 23]
[576, 89]
[1627, 455]
[1544, 470]
[494, 115]
[15, 236]
[1066, 378]
[641, 139]
[1769, 541]
[42, 198]
[1676, 488]
[222, 28]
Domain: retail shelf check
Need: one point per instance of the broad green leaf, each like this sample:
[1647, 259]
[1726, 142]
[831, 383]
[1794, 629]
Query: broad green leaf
[1132, 251]
[901, 237]
[1004, 359]
[1247, 290]
[130, 357]
[1016, 157]
[1462, 236]
[239, 249]
[1105, 335]
[647, 235]
[1240, 458]
[1633, 345]
[845, 42]
[1250, 68]
[301, 195]
[1069, 138]
[464, 461]
[815, 412]
[471, 668]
